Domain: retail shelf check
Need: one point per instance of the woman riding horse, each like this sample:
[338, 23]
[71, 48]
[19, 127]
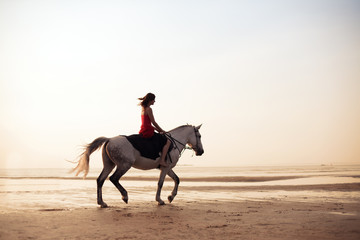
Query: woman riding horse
[148, 125]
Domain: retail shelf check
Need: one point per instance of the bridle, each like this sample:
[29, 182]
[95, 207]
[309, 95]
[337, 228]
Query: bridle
[197, 136]
[175, 142]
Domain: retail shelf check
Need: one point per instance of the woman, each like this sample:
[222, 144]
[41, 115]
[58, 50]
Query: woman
[148, 125]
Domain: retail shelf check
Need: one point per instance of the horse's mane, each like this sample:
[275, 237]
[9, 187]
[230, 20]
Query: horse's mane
[187, 125]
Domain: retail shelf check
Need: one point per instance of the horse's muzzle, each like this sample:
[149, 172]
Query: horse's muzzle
[199, 152]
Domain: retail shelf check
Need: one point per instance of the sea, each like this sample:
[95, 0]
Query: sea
[51, 189]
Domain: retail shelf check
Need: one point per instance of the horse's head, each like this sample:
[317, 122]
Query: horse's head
[195, 141]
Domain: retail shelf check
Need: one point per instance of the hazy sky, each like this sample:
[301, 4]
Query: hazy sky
[273, 82]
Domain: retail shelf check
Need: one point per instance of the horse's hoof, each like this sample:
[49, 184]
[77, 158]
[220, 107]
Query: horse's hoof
[125, 199]
[161, 203]
[170, 198]
[103, 205]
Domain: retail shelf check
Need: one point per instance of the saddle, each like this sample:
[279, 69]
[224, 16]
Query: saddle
[149, 147]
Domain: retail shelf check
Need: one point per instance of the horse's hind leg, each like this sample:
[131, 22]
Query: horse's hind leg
[119, 172]
[177, 181]
[108, 167]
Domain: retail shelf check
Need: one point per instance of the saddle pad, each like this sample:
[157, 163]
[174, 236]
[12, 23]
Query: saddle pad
[148, 147]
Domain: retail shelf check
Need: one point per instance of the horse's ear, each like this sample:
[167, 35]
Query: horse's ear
[198, 127]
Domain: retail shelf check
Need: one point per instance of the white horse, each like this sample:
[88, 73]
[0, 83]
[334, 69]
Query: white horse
[119, 152]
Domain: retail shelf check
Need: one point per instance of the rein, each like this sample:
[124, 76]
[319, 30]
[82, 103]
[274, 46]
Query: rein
[174, 141]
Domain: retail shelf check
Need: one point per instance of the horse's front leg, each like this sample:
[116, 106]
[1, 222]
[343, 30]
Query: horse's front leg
[177, 181]
[160, 185]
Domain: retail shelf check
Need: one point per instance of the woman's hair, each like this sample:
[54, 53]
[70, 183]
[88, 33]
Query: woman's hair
[145, 100]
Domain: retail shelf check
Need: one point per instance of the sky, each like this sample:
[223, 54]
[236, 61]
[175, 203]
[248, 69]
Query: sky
[273, 82]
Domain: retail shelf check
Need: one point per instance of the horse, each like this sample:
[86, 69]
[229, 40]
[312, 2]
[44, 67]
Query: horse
[119, 152]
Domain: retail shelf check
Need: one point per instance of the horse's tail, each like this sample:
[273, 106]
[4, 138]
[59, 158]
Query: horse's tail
[83, 163]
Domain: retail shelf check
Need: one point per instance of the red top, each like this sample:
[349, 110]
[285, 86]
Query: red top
[146, 129]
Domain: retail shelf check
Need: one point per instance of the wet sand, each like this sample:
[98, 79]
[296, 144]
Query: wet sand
[284, 217]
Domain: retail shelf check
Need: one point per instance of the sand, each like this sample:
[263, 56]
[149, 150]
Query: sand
[279, 218]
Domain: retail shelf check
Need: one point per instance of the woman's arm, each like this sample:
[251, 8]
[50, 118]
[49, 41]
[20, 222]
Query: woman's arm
[152, 119]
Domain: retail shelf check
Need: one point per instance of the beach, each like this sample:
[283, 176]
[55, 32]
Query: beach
[249, 205]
